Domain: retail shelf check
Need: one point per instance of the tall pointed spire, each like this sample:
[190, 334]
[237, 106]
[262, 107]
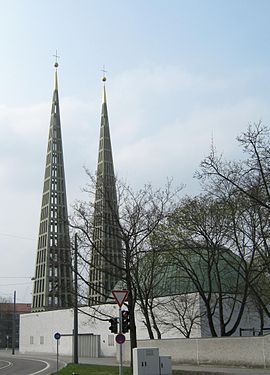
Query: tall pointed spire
[55, 78]
[104, 99]
[106, 259]
[53, 276]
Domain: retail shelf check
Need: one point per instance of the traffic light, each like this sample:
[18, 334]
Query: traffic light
[113, 326]
[125, 321]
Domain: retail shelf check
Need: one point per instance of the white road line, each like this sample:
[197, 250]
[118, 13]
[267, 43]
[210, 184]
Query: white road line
[9, 364]
[36, 360]
[40, 371]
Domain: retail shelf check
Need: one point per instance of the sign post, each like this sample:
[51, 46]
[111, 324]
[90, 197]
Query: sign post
[121, 348]
[57, 336]
[120, 297]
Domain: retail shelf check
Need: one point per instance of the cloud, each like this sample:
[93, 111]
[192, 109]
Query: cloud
[160, 133]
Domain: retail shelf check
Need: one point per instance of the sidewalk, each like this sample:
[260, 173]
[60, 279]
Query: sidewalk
[212, 370]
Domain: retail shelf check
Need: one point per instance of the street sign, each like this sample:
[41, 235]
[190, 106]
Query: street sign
[57, 336]
[120, 338]
[120, 296]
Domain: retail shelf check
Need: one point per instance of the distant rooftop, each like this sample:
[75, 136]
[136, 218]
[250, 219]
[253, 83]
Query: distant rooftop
[20, 307]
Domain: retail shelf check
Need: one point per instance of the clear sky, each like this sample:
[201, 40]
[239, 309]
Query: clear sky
[179, 73]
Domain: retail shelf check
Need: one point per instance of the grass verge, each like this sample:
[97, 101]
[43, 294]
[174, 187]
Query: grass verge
[95, 369]
[91, 369]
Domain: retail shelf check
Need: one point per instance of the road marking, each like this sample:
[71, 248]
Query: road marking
[36, 360]
[40, 371]
[9, 364]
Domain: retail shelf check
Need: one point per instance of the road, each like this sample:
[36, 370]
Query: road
[27, 365]
[42, 364]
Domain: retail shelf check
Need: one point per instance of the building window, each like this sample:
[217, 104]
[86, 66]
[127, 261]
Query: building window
[31, 340]
[41, 340]
[110, 340]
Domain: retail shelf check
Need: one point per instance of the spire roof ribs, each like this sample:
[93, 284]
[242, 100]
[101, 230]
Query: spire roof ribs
[53, 277]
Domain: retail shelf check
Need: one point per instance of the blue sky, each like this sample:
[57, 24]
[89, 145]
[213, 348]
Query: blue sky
[179, 72]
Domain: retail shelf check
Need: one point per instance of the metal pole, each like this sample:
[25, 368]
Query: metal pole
[121, 347]
[75, 331]
[57, 355]
[14, 324]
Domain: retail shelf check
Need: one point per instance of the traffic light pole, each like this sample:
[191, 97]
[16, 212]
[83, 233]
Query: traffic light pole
[120, 296]
[121, 346]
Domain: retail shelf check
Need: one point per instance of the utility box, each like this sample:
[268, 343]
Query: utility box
[165, 364]
[146, 361]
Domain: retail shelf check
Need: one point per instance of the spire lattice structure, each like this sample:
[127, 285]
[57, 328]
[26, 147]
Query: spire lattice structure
[106, 257]
[53, 275]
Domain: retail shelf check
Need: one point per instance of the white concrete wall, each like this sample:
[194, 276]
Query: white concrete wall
[165, 311]
[249, 319]
[229, 351]
[45, 324]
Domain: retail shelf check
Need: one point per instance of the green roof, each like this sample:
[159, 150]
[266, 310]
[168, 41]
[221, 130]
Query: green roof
[189, 270]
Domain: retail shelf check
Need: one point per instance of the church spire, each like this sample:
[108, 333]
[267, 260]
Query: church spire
[104, 99]
[53, 277]
[104, 79]
[55, 72]
[55, 77]
[106, 259]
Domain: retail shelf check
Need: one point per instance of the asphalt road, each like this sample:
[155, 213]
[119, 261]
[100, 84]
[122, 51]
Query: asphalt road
[27, 365]
[42, 364]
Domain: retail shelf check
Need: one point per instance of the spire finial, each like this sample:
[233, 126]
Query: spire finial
[56, 59]
[104, 79]
[55, 74]
[104, 74]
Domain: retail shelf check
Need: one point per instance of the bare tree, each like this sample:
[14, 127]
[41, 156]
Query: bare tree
[199, 233]
[180, 312]
[138, 216]
[247, 180]
[150, 276]
[249, 176]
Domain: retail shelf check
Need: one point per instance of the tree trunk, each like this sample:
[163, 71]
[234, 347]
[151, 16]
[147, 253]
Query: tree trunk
[155, 325]
[133, 333]
[148, 325]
